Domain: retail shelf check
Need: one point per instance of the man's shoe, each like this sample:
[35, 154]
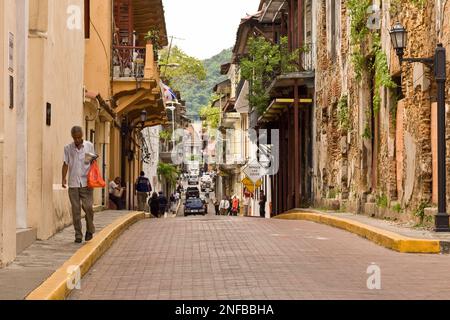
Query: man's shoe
[78, 240]
[88, 236]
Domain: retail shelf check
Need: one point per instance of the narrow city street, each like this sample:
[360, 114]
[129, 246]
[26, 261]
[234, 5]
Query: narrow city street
[224, 150]
[251, 258]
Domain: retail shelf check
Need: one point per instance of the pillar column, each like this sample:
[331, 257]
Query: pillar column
[296, 146]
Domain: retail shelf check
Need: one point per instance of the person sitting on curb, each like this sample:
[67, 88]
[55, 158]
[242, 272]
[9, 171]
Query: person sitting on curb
[154, 205]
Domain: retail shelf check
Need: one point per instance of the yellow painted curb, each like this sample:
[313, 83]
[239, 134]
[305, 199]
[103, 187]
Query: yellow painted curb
[381, 237]
[56, 286]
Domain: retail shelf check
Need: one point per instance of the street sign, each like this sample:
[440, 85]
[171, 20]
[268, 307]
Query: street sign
[250, 185]
[254, 171]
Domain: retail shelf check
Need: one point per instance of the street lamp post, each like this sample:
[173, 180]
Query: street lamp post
[172, 108]
[399, 40]
[143, 118]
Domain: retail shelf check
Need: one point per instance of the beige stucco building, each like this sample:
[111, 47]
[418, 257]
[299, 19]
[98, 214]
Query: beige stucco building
[60, 59]
[8, 134]
[36, 122]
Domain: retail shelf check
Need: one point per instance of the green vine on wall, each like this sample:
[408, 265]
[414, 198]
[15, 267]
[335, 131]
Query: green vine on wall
[382, 75]
[371, 59]
[263, 63]
[343, 113]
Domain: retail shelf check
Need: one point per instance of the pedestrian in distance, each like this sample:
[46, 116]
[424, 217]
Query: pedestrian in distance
[163, 202]
[235, 206]
[262, 204]
[216, 206]
[77, 161]
[172, 202]
[224, 206]
[154, 205]
[247, 200]
[142, 189]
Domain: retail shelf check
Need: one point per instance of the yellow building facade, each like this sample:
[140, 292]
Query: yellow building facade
[42, 54]
[58, 60]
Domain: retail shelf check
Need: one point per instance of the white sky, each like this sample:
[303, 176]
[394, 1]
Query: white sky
[208, 26]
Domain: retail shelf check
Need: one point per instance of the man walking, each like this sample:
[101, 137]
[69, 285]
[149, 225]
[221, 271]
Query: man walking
[143, 188]
[247, 198]
[77, 160]
[224, 206]
[262, 204]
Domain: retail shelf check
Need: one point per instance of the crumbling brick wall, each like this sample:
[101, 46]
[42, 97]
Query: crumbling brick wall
[344, 159]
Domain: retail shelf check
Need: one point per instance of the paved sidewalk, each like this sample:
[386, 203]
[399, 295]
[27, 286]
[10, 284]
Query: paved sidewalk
[41, 259]
[392, 226]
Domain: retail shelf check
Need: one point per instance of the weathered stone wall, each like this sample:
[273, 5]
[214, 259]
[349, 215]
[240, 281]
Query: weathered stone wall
[390, 174]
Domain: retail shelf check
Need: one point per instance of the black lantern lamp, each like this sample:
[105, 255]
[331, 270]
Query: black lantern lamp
[143, 117]
[399, 41]
[399, 38]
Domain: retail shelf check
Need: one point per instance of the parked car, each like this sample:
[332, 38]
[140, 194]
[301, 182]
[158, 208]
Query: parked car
[192, 192]
[194, 206]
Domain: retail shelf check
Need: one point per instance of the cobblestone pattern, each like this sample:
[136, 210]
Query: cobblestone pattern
[229, 258]
[42, 258]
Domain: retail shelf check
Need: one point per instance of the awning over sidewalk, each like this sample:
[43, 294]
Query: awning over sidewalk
[277, 107]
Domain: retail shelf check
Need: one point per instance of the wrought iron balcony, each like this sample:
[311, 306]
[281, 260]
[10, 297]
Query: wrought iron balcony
[129, 62]
[303, 63]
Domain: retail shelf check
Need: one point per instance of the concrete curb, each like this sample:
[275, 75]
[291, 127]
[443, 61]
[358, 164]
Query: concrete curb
[379, 236]
[55, 287]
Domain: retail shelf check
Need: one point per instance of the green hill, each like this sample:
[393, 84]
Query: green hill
[199, 94]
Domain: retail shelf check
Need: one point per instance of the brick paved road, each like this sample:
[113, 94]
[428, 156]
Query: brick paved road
[250, 258]
[42, 258]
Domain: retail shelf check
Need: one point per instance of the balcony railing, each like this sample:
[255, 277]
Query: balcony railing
[129, 62]
[307, 57]
[304, 61]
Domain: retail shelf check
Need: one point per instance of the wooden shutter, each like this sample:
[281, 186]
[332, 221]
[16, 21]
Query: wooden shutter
[87, 19]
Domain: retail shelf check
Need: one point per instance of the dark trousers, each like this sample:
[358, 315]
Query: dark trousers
[262, 211]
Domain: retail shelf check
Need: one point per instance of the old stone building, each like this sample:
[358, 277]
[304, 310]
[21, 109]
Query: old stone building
[375, 122]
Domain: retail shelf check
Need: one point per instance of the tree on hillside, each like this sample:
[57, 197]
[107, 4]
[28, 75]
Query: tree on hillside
[196, 90]
[190, 70]
[210, 114]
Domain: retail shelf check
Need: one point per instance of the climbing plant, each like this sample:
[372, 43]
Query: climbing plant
[343, 113]
[165, 135]
[368, 59]
[211, 116]
[153, 36]
[381, 70]
[258, 68]
[265, 60]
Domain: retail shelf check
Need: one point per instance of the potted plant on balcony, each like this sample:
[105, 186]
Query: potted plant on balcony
[153, 37]
[164, 137]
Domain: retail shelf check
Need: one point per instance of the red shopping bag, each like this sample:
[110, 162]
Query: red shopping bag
[94, 177]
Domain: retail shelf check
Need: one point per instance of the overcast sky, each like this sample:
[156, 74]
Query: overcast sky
[207, 26]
